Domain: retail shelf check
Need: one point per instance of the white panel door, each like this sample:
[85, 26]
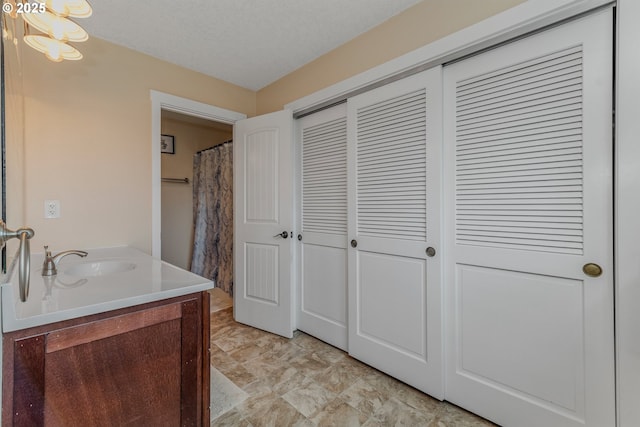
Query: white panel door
[322, 252]
[529, 203]
[394, 217]
[263, 222]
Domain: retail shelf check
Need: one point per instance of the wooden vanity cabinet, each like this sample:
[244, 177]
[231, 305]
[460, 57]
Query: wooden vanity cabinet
[146, 365]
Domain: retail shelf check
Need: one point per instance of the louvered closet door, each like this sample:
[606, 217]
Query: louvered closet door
[394, 216]
[529, 200]
[322, 252]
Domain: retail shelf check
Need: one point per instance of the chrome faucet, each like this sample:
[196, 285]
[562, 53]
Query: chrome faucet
[49, 267]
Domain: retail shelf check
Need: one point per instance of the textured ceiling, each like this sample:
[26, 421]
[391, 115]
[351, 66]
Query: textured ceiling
[250, 43]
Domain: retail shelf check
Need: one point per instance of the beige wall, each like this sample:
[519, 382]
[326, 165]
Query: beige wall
[417, 26]
[88, 132]
[177, 199]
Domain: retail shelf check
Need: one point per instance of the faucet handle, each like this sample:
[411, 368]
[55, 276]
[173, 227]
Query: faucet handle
[48, 266]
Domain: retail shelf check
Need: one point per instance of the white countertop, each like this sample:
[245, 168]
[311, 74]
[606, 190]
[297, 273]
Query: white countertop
[69, 295]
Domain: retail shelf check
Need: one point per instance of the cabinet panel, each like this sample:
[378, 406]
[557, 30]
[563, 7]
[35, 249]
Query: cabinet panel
[145, 365]
[28, 377]
[115, 380]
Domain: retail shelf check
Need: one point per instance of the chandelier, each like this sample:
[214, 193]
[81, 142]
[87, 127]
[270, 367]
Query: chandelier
[47, 27]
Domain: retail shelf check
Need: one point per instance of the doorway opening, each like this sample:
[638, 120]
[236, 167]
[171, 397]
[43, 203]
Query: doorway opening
[183, 133]
[188, 137]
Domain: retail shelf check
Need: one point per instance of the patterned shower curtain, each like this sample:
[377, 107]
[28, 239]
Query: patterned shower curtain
[213, 215]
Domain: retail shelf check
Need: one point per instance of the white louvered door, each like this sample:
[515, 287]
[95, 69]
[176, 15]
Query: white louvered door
[529, 199]
[263, 222]
[322, 252]
[394, 216]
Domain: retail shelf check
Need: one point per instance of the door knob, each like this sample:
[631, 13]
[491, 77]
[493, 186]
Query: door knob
[592, 270]
[354, 243]
[284, 234]
[430, 251]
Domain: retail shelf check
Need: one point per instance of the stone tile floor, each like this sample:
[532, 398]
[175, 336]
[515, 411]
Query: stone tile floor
[306, 382]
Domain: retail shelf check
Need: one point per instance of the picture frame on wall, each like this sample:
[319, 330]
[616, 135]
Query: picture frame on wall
[167, 144]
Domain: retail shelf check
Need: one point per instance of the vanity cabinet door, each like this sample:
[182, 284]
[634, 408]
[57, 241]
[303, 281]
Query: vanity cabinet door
[141, 368]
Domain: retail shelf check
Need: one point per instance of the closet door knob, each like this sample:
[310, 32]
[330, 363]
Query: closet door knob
[284, 234]
[592, 270]
[430, 251]
[354, 243]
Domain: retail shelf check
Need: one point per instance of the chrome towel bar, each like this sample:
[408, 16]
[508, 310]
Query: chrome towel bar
[176, 180]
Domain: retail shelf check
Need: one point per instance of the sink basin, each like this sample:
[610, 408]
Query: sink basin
[99, 268]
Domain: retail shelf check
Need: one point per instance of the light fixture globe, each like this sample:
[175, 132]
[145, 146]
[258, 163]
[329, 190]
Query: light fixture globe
[72, 8]
[57, 27]
[54, 49]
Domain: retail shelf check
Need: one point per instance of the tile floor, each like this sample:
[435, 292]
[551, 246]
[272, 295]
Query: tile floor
[306, 382]
[219, 300]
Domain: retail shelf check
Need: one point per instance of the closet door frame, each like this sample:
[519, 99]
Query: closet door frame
[627, 206]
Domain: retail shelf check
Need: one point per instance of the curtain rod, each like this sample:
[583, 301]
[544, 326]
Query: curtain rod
[229, 141]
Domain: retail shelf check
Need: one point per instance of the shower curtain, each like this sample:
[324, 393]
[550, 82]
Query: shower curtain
[213, 215]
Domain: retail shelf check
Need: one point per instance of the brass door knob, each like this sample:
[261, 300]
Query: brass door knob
[592, 270]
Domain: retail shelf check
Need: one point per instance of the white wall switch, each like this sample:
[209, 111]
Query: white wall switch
[52, 208]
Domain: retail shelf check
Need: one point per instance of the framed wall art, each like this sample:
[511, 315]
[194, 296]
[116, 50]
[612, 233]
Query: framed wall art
[167, 144]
